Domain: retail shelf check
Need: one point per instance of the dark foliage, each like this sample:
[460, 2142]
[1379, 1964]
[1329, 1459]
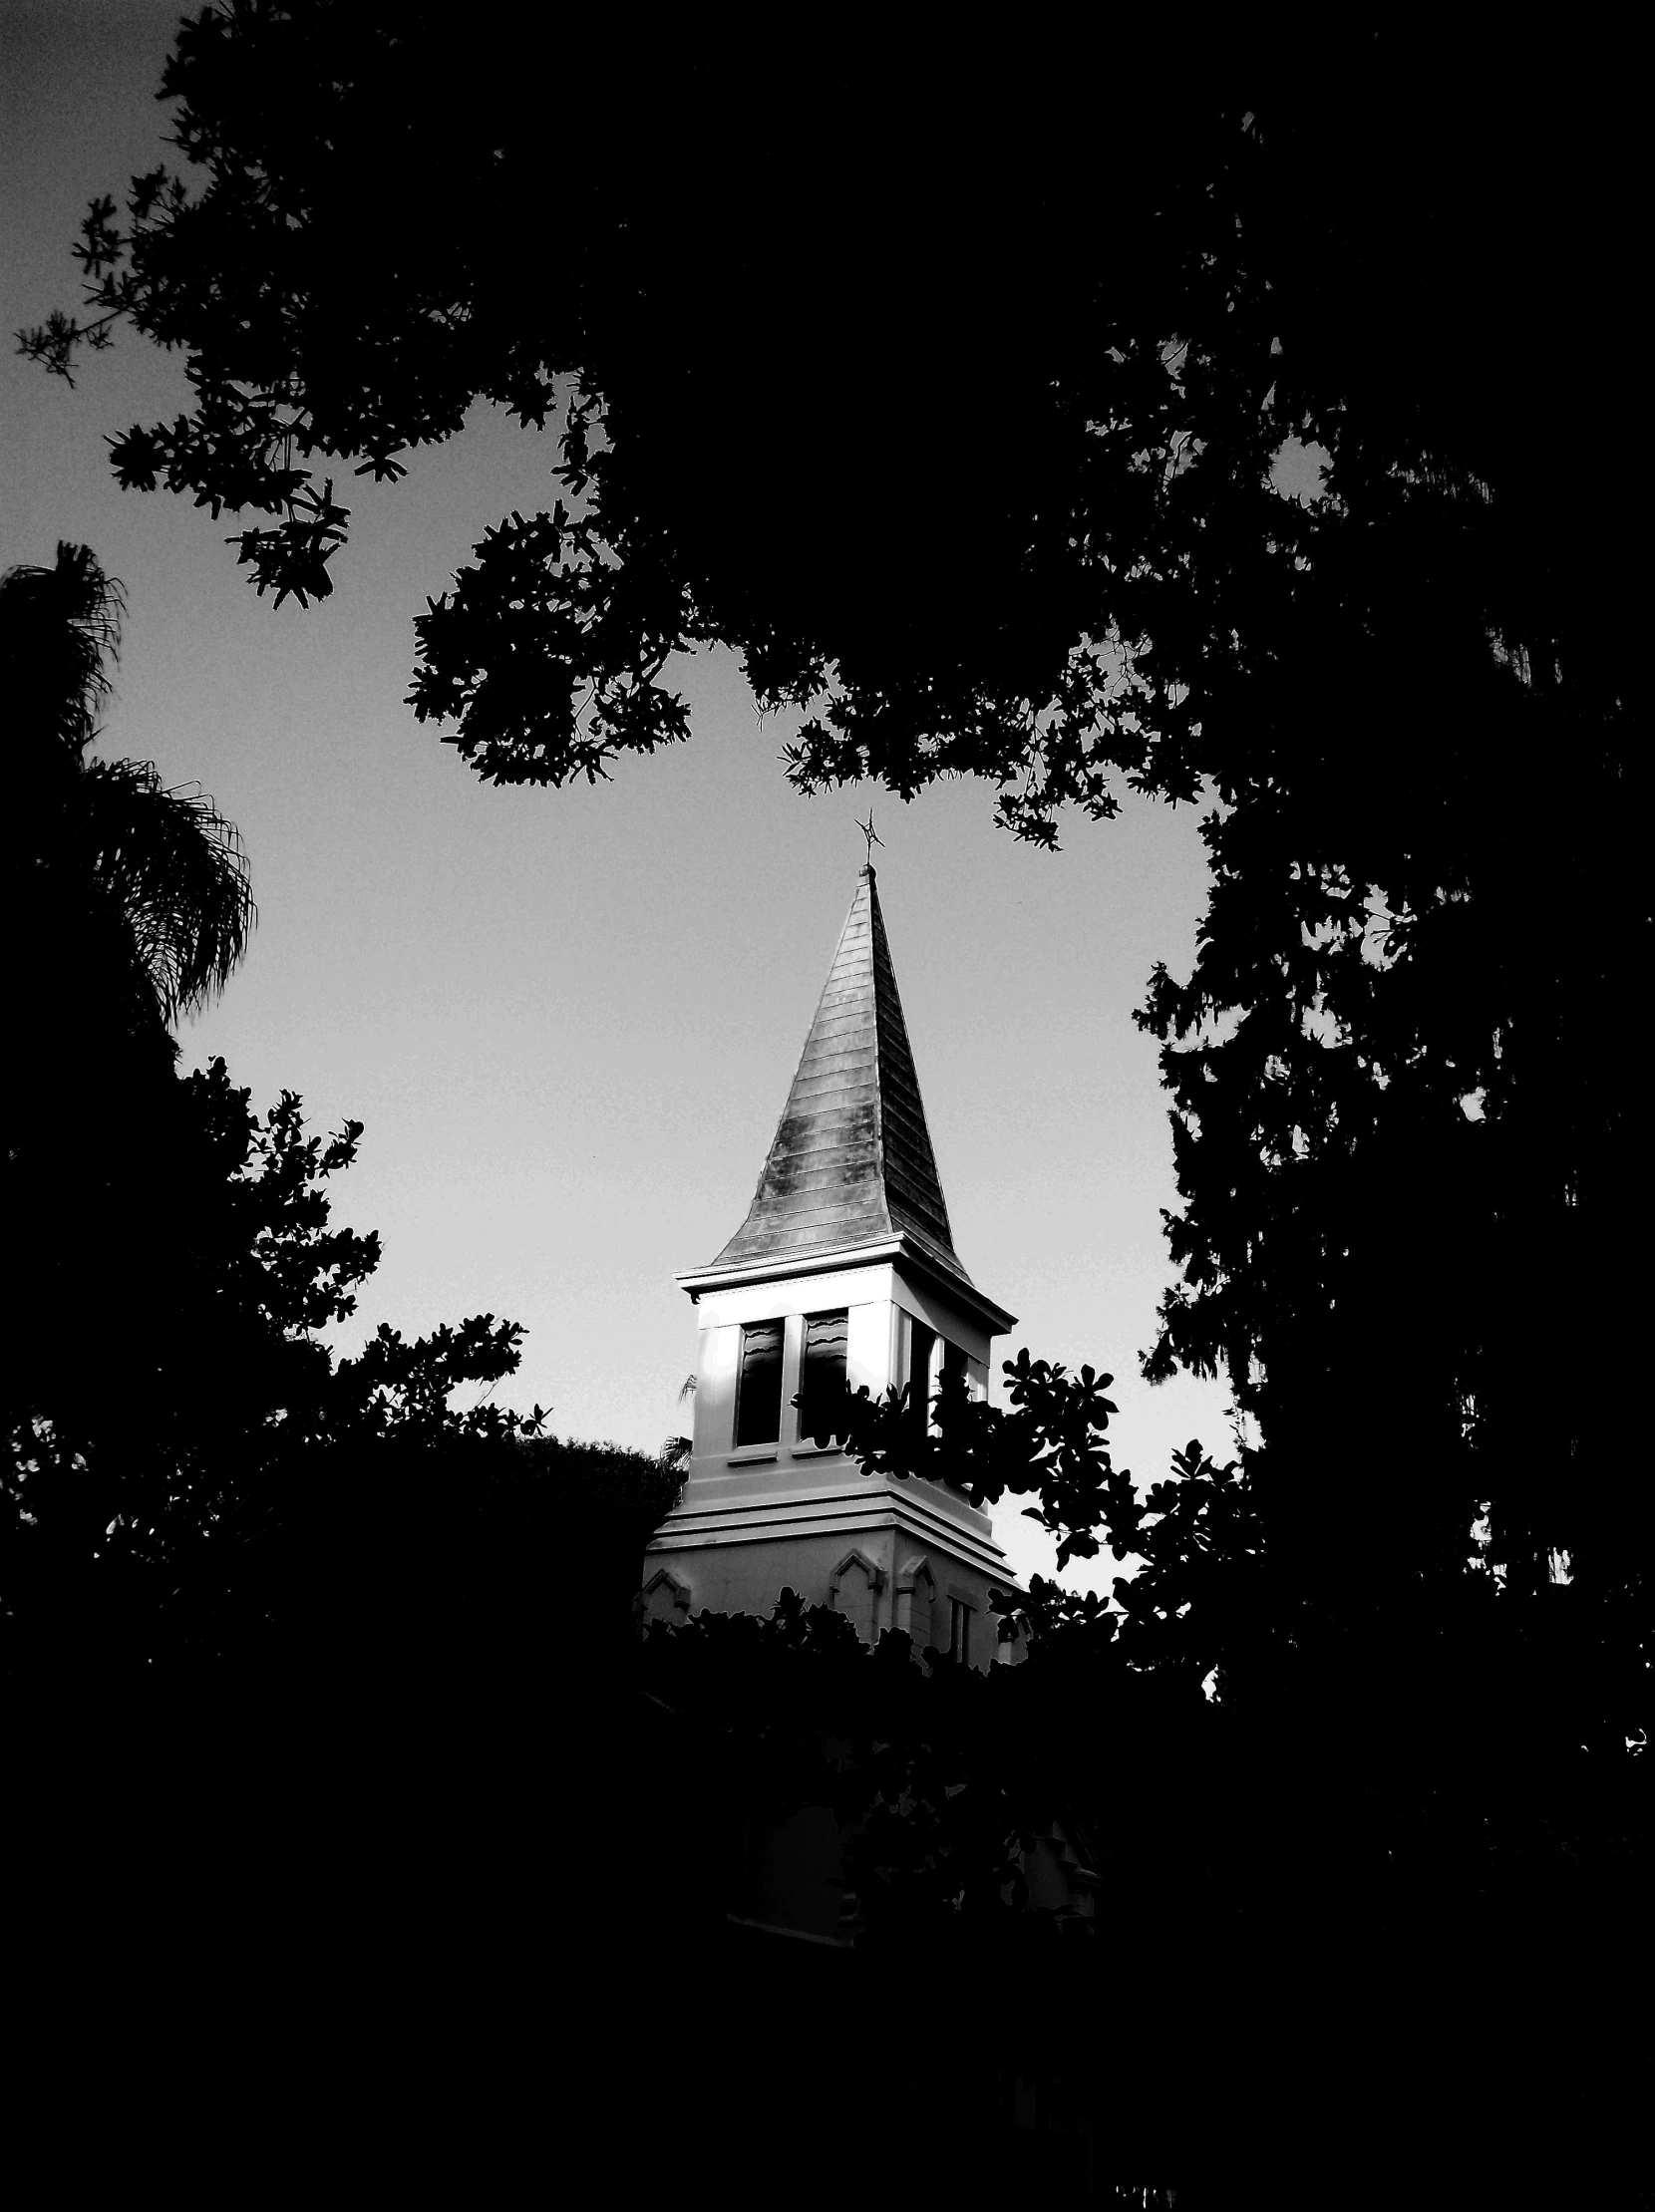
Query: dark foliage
[193, 1482]
[199, 1485]
[961, 423]
[1349, 1880]
[129, 888]
[964, 440]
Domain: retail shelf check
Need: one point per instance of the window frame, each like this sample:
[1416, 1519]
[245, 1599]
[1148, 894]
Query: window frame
[806, 1440]
[771, 1443]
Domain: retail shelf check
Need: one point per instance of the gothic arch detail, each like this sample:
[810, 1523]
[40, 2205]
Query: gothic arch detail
[664, 1597]
[853, 1590]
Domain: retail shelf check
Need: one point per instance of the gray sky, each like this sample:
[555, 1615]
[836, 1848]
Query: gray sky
[569, 1019]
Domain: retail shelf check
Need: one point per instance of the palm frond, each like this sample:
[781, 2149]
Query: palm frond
[178, 871]
[59, 627]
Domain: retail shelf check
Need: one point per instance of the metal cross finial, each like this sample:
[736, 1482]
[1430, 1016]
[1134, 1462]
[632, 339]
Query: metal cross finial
[871, 834]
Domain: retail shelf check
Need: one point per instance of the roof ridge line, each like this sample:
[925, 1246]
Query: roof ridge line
[876, 931]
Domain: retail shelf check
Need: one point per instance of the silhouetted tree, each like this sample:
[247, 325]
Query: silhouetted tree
[126, 904]
[148, 1465]
[1080, 302]
[122, 889]
[1348, 1886]
[971, 449]
[192, 1481]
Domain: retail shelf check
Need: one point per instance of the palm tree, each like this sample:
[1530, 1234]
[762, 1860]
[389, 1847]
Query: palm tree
[131, 901]
[125, 904]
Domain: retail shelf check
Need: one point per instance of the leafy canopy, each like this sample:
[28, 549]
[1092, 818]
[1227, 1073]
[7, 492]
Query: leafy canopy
[962, 420]
[962, 437]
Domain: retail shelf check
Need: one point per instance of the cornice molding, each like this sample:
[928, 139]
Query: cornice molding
[895, 1251]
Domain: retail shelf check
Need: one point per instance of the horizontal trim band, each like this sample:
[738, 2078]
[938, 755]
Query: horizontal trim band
[987, 1559]
[837, 1259]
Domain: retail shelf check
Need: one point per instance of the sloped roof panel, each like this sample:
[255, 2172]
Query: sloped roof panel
[852, 1161]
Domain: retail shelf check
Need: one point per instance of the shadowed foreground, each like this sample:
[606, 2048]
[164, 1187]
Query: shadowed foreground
[485, 1933]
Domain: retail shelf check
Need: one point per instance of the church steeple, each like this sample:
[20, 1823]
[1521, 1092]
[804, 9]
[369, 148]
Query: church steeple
[852, 1163]
[843, 1274]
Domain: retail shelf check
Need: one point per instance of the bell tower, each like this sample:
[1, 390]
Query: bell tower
[844, 1270]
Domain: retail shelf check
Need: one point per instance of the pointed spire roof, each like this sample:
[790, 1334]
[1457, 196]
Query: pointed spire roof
[851, 1162]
